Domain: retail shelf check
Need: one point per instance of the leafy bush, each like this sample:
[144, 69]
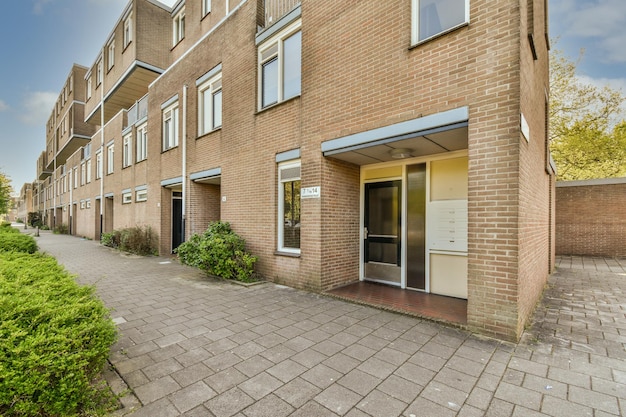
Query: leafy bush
[62, 229]
[55, 338]
[218, 251]
[7, 228]
[139, 240]
[17, 242]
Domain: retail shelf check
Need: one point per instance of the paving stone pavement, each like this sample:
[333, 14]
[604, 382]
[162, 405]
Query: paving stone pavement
[192, 346]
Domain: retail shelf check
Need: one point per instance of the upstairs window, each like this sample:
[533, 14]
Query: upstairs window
[110, 154]
[128, 30]
[142, 142]
[210, 104]
[179, 26]
[280, 66]
[99, 74]
[206, 7]
[98, 165]
[127, 151]
[111, 55]
[88, 88]
[434, 17]
[170, 127]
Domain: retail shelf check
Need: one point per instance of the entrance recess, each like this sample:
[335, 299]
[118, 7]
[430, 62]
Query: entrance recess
[382, 232]
[178, 236]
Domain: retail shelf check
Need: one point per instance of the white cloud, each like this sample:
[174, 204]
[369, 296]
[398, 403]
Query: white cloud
[602, 21]
[3, 106]
[39, 5]
[37, 107]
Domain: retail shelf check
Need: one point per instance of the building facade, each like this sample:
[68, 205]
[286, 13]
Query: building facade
[400, 142]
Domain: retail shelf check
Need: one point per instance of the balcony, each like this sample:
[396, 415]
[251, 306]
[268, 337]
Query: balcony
[138, 111]
[275, 9]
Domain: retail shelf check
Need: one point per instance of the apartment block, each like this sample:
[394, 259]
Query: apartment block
[400, 143]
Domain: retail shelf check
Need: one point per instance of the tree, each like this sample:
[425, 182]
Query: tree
[587, 132]
[5, 193]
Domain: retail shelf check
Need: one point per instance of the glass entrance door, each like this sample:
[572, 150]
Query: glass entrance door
[382, 245]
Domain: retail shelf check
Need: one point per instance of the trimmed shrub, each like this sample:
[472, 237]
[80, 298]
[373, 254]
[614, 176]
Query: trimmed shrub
[139, 240]
[55, 338]
[17, 242]
[218, 251]
[61, 229]
[7, 228]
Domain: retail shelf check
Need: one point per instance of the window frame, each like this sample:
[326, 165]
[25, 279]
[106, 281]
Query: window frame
[171, 141]
[178, 26]
[127, 151]
[127, 197]
[415, 17]
[141, 195]
[99, 170]
[128, 30]
[88, 171]
[281, 206]
[206, 7]
[110, 159]
[271, 50]
[89, 86]
[142, 142]
[111, 54]
[99, 72]
[212, 86]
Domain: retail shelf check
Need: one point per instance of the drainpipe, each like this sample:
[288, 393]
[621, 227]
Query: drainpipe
[184, 167]
[101, 151]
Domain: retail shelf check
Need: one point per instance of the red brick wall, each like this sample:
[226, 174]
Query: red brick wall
[591, 217]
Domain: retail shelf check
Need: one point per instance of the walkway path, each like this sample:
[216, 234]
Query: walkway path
[192, 346]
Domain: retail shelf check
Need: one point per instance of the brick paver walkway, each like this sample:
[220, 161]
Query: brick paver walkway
[192, 346]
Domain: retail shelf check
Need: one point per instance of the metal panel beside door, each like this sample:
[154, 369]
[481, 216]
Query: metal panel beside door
[382, 226]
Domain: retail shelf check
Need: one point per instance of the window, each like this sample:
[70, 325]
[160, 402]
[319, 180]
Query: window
[83, 174]
[111, 54]
[99, 74]
[434, 17]
[127, 198]
[88, 171]
[127, 152]
[98, 165]
[142, 142]
[88, 88]
[289, 207]
[280, 66]
[75, 177]
[206, 7]
[141, 195]
[170, 127]
[210, 105]
[88, 203]
[110, 153]
[179, 26]
[82, 204]
[128, 30]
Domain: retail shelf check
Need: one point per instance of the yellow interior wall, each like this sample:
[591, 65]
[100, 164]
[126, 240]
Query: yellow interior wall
[448, 275]
[448, 179]
[389, 172]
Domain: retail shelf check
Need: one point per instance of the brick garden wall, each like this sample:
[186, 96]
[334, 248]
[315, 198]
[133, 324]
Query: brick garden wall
[591, 217]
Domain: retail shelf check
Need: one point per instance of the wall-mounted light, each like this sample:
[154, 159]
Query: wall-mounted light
[400, 153]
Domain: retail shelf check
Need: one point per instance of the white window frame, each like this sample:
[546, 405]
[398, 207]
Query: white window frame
[273, 49]
[110, 159]
[128, 30]
[75, 177]
[98, 165]
[89, 88]
[88, 171]
[281, 198]
[111, 54]
[142, 142]
[127, 198]
[83, 173]
[206, 7]
[127, 151]
[178, 26]
[170, 126]
[141, 195]
[99, 72]
[88, 203]
[207, 122]
[415, 19]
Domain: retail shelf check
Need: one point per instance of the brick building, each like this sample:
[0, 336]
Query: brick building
[400, 142]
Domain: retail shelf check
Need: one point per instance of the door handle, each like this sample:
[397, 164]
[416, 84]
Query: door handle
[365, 232]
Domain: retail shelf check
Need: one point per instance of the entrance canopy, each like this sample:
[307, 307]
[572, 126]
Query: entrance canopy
[432, 134]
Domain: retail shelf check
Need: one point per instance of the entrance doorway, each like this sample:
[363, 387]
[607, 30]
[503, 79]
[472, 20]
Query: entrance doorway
[382, 229]
[178, 236]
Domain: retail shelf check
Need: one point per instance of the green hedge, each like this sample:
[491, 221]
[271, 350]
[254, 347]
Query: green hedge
[55, 338]
[17, 242]
[140, 240]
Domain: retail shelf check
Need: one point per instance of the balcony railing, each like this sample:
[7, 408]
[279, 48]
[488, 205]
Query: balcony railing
[138, 111]
[275, 9]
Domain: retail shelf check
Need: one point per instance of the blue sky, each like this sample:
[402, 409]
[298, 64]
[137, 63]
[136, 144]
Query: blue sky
[41, 39]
